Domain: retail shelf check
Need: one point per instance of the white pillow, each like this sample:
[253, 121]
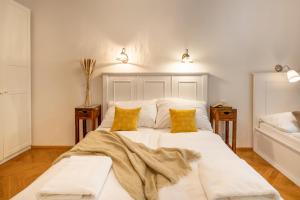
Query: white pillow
[147, 114]
[282, 121]
[163, 115]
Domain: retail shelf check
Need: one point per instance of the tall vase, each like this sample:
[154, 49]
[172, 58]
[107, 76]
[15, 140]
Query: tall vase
[88, 65]
[87, 101]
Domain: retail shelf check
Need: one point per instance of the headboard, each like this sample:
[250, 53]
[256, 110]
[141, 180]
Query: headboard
[145, 86]
[272, 93]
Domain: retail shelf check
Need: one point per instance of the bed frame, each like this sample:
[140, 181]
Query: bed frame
[145, 86]
[272, 93]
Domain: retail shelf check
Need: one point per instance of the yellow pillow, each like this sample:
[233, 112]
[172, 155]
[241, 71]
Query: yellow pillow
[125, 119]
[183, 120]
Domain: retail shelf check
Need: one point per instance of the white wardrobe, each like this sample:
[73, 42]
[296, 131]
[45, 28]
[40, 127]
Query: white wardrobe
[15, 81]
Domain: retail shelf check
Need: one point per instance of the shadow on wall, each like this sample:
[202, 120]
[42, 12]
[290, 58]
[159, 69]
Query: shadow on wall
[106, 50]
[214, 85]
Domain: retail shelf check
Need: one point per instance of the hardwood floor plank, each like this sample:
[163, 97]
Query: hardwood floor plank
[19, 172]
[287, 189]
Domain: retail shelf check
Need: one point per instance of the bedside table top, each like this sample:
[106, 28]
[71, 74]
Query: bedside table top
[91, 107]
[222, 108]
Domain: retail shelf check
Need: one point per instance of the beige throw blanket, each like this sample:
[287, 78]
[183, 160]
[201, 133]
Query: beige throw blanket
[140, 170]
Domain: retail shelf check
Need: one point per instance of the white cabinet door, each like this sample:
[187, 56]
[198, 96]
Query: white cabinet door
[3, 5]
[15, 126]
[18, 35]
[15, 105]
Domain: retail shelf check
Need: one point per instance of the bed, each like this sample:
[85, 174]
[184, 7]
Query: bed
[210, 145]
[274, 96]
[290, 139]
[188, 188]
[217, 173]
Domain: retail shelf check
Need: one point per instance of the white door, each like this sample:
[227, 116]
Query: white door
[16, 101]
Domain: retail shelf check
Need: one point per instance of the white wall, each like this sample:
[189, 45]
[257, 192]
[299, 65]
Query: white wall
[230, 39]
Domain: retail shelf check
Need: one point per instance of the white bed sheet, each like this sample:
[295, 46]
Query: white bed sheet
[291, 140]
[188, 188]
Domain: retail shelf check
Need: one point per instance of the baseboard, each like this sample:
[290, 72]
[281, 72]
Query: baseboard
[244, 149]
[14, 155]
[50, 147]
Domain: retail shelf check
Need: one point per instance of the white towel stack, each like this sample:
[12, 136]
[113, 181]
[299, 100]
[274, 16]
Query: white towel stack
[234, 179]
[82, 177]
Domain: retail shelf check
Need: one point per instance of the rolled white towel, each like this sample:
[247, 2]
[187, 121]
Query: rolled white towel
[82, 177]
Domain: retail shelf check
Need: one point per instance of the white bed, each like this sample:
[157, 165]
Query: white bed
[291, 140]
[188, 188]
[210, 145]
[226, 169]
[272, 93]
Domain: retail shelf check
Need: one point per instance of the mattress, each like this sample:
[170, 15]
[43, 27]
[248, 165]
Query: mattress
[291, 140]
[210, 146]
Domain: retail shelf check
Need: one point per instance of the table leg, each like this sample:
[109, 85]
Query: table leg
[84, 127]
[99, 119]
[76, 130]
[93, 124]
[217, 126]
[227, 132]
[234, 136]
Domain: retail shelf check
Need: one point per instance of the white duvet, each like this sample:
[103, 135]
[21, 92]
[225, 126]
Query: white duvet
[200, 184]
[285, 122]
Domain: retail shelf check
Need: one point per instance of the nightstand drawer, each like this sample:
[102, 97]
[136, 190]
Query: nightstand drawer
[226, 114]
[84, 114]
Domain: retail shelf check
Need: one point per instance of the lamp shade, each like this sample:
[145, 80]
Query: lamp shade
[293, 76]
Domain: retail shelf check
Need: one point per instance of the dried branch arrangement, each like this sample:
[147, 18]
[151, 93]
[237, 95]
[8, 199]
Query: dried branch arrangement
[88, 66]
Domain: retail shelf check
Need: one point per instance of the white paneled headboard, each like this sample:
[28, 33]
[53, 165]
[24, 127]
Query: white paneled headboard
[145, 86]
[272, 93]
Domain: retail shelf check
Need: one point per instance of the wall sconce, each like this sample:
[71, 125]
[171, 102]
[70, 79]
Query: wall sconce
[186, 58]
[123, 57]
[292, 75]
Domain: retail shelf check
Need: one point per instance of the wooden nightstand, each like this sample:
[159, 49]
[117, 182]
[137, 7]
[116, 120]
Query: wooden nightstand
[226, 114]
[83, 113]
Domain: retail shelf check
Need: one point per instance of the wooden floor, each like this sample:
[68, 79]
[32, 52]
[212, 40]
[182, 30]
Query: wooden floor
[287, 189]
[18, 173]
